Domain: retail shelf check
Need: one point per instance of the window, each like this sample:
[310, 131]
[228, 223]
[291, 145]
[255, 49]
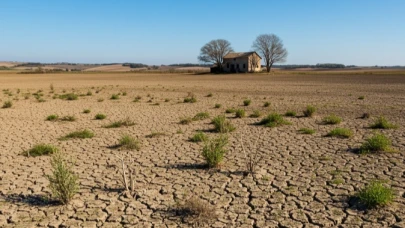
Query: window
[244, 66]
[227, 65]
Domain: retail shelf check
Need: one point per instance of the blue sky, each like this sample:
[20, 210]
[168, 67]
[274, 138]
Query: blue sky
[361, 32]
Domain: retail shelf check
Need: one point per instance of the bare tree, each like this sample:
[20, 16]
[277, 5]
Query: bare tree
[214, 52]
[271, 48]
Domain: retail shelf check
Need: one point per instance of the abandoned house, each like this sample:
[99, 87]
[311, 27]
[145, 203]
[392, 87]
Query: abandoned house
[242, 62]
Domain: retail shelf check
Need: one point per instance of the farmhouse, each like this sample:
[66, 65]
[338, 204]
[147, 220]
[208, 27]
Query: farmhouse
[242, 62]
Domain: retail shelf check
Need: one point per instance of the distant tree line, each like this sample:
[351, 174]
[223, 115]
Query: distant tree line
[29, 64]
[135, 65]
[189, 65]
[319, 65]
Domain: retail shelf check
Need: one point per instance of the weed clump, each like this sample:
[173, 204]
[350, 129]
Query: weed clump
[69, 96]
[41, 149]
[7, 104]
[121, 123]
[306, 131]
[86, 111]
[375, 194]
[332, 119]
[266, 104]
[217, 106]
[100, 116]
[230, 110]
[191, 98]
[382, 123]
[214, 151]
[247, 102]
[290, 113]
[68, 118]
[273, 120]
[240, 113]
[340, 133]
[62, 182]
[84, 134]
[201, 116]
[256, 114]
[309, 111]
[222, 125]
[186, 120]
[130, 143]
[196, 212]
[115, 97]
[52, 117]
[199, 137]
[376, 143]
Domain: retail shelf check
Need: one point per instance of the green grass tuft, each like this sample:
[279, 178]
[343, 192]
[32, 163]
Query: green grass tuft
[256, 114]
[332, 119]
[230, 110]
[100, 116]
[86, 111]
[309, 111]
[376, 143]
[306, 131]
[201, 116]
[52, 117]
[382, 123]
[340, 133]
[69, 96]
[240, 113]
[199, 137]
[130, 143]
[84, 134]
[115, 97]
[127, 122]
[375, 194]
[7, 104]
[217, 106]
[273, 120]
[185, 120]
[214, 150]
[41, 149]
[290, 113]
[247, 102]
[222, 125]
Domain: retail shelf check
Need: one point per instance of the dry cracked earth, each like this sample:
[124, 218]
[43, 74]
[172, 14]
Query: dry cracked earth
[301, 180]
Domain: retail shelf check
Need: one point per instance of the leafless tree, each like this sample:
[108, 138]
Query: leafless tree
[214, 52]
[271, 49]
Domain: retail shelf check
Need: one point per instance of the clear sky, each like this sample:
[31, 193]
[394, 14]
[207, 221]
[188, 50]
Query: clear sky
[360, 32]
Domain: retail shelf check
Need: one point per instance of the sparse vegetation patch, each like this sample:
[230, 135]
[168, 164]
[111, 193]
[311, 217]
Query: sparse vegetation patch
[273, 120]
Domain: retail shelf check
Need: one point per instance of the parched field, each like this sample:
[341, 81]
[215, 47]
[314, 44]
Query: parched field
[301, 180]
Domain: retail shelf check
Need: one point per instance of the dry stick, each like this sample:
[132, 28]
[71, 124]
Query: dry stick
[251, 161]
[124, 175]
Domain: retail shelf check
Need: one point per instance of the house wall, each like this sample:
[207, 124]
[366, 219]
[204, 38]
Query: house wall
[235, 62]
[258, 62]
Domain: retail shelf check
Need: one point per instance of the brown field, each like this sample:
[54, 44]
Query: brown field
[300, 180]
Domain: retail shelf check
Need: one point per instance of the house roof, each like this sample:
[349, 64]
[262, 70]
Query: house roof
[234, 55]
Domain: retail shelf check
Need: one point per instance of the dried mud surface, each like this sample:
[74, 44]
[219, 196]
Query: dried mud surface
[301, 180]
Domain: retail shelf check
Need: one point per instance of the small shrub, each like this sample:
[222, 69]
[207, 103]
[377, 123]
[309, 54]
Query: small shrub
[115, 97]
[52, 117]
[256, 114]
[222, 125]
[86, 111]
[68, 118]
[361, 97]
[62, 182]
[306, 131]
[217, 106]
[100, 100]
[240, 113]
[375, 194]
[7, 104]
[247, 102]
[273, 120]
[365, 115]
[340, 132]
[230, 110]
[121, 123]
[196, 212]
[40, 149]
[40, 100]
[290, 113]
[89, 93]
[201, 116]
[130, 143]
[309, 111]
[377, 143]
[100, 116]
[84, 134]
[186, 120]
[332, 119]
[167, 100]
[382, 123]
[214, 151]
[155, 134]
[199, 137]
[124, 93]
[266, 104]
[69, 96]
[210, 95]
[191, 98]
